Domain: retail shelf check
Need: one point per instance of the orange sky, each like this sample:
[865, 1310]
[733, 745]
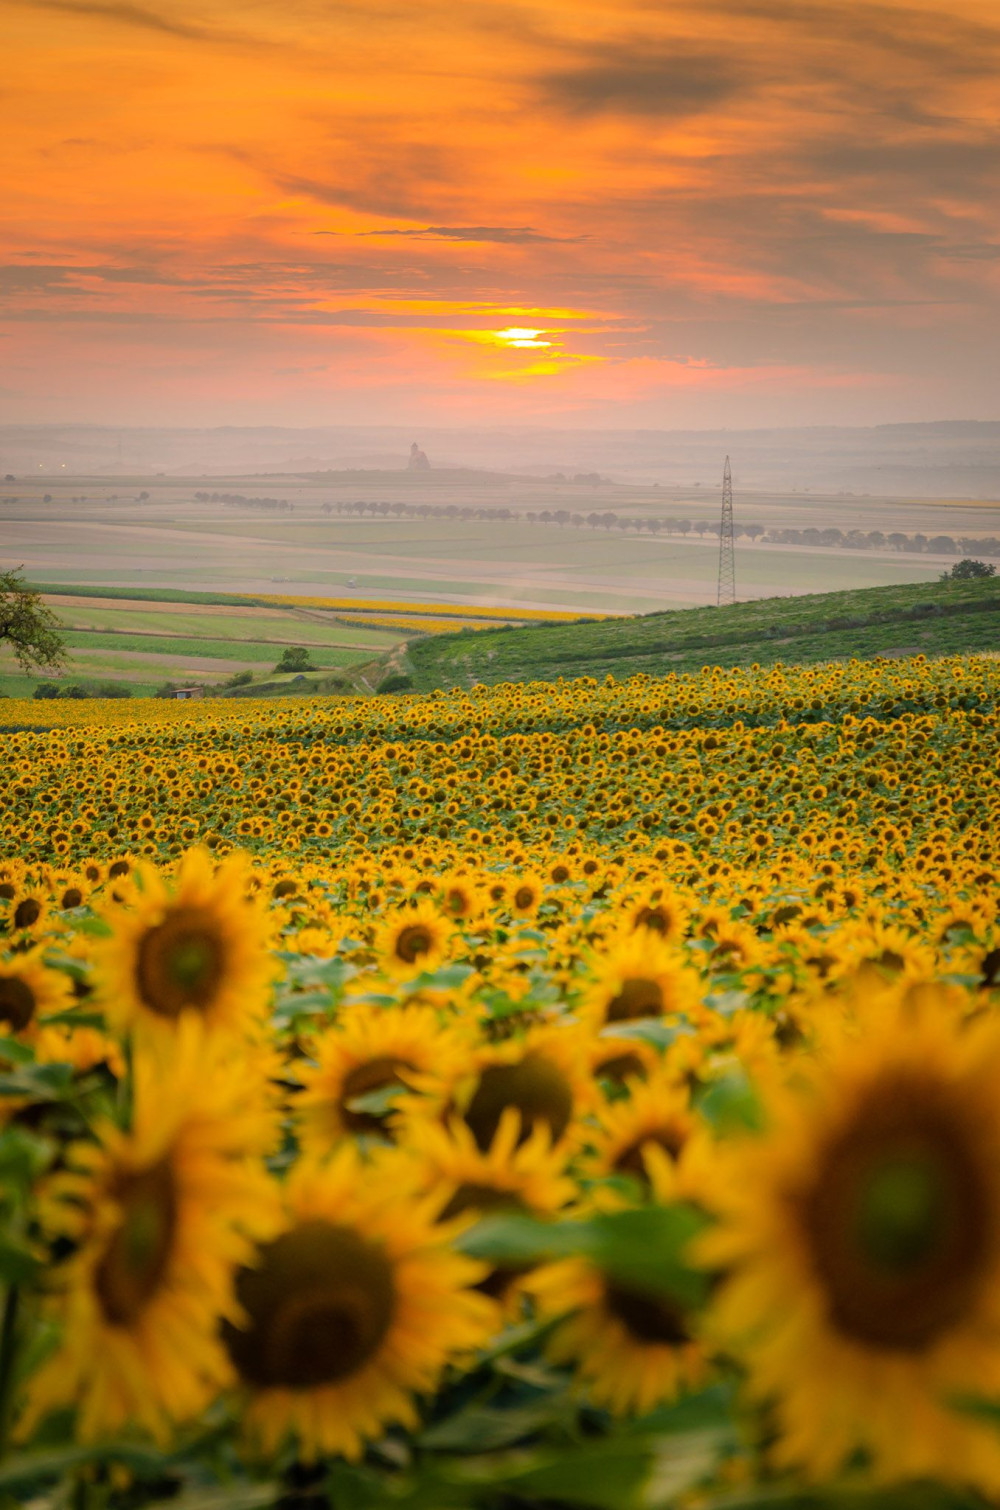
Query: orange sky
[782, 211]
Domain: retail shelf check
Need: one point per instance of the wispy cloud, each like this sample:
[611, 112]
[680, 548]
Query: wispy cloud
[138, 16]
[643, 80]
[508, 235]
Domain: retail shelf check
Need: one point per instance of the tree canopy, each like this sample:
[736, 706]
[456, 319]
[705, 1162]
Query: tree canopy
[28, 625]
[964, 571]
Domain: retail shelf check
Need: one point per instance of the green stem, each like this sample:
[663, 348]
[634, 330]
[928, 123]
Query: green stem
[8, 1356]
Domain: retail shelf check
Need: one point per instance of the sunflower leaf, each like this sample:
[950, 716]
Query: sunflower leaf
[73, 1018]
[484, 1428]
[17, 1264]
[731, 1105]
[95, 927]
[15, 1052]
[649, 1030]
[639, 1250]
[35, 1467]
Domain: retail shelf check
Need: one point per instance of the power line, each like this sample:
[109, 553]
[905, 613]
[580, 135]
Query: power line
[727, 543]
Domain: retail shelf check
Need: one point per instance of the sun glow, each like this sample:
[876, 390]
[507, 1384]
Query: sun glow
[515, 336]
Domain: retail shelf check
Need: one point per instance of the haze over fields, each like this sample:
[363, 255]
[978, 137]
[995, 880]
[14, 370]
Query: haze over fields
[575, 541]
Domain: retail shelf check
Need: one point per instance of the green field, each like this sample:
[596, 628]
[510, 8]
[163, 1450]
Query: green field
[939, 618]
[145, 643]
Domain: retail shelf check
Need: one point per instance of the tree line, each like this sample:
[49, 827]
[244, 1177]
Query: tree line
[830, 538]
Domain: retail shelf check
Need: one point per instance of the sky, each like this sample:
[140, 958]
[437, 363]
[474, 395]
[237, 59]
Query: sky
[565, 212]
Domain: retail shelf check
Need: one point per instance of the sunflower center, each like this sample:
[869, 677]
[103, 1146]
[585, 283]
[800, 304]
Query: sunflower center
[646, 1318]
[630, 1160]
[620, 1067]
[653, 918]
[135, 1260]
[483, 1198]
[72, 897]
[319, 1307]
[638, 997]
[536, 1086]
[524, 897]
[17, 1002]
[181, 963]
[374, 1075]
[412, 942]
[27, 913]
[900, 1220]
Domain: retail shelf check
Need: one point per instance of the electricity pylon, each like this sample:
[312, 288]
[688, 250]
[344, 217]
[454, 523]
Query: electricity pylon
[727, 543]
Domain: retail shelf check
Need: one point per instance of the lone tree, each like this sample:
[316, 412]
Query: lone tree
[967, 570]
[295, 659]
[28, 626]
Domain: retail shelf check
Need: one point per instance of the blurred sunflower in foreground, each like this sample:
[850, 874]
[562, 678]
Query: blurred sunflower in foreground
[861, 1237]
[157, 1219]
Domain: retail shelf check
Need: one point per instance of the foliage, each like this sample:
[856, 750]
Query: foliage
[27, 625]
[968, 570]
[295, 659]
[397, 682]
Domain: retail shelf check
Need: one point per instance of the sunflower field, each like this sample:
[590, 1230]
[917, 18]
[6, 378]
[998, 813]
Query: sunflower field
[581, 1094]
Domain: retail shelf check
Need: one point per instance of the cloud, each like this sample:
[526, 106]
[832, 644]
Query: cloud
[138, 16]
[944, 40]
[670, 80]
[508, 235]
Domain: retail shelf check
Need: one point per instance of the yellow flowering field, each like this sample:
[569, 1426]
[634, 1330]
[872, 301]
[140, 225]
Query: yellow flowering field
[581, 1094]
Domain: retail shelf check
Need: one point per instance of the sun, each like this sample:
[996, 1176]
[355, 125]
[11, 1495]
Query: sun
[518, 336]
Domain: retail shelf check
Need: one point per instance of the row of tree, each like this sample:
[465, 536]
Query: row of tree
[240, 501]
[825, 539]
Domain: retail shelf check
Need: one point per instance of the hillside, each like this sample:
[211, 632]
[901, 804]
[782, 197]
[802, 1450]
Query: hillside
[933, 618]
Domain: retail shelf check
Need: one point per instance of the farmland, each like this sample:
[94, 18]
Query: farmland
[145, 644]
[156, 532]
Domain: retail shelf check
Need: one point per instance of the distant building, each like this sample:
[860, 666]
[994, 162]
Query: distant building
[183, 693]
[418, 460]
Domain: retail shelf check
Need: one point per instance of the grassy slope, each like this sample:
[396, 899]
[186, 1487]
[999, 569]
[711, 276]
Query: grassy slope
[937, 618]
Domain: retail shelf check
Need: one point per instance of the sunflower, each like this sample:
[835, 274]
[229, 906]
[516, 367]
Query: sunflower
[543, 1075]
[631, 1350]
[353, 1308]
[372, 1052]
[200, 948]
[861, 1236]
[652, 1137]
[509, 1176]
[661, 912]
[29, 991]
[28, 910]
[524, 896]
[461, 896]
[640, 976]
[159, 1217]
[413, 941]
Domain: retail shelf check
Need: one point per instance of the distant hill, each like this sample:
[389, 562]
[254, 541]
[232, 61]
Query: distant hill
[930, 618]
[945, 459]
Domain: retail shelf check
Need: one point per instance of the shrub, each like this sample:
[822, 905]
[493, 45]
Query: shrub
[967, 569]
[44, 691]
[395, 682]
[295, 658]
